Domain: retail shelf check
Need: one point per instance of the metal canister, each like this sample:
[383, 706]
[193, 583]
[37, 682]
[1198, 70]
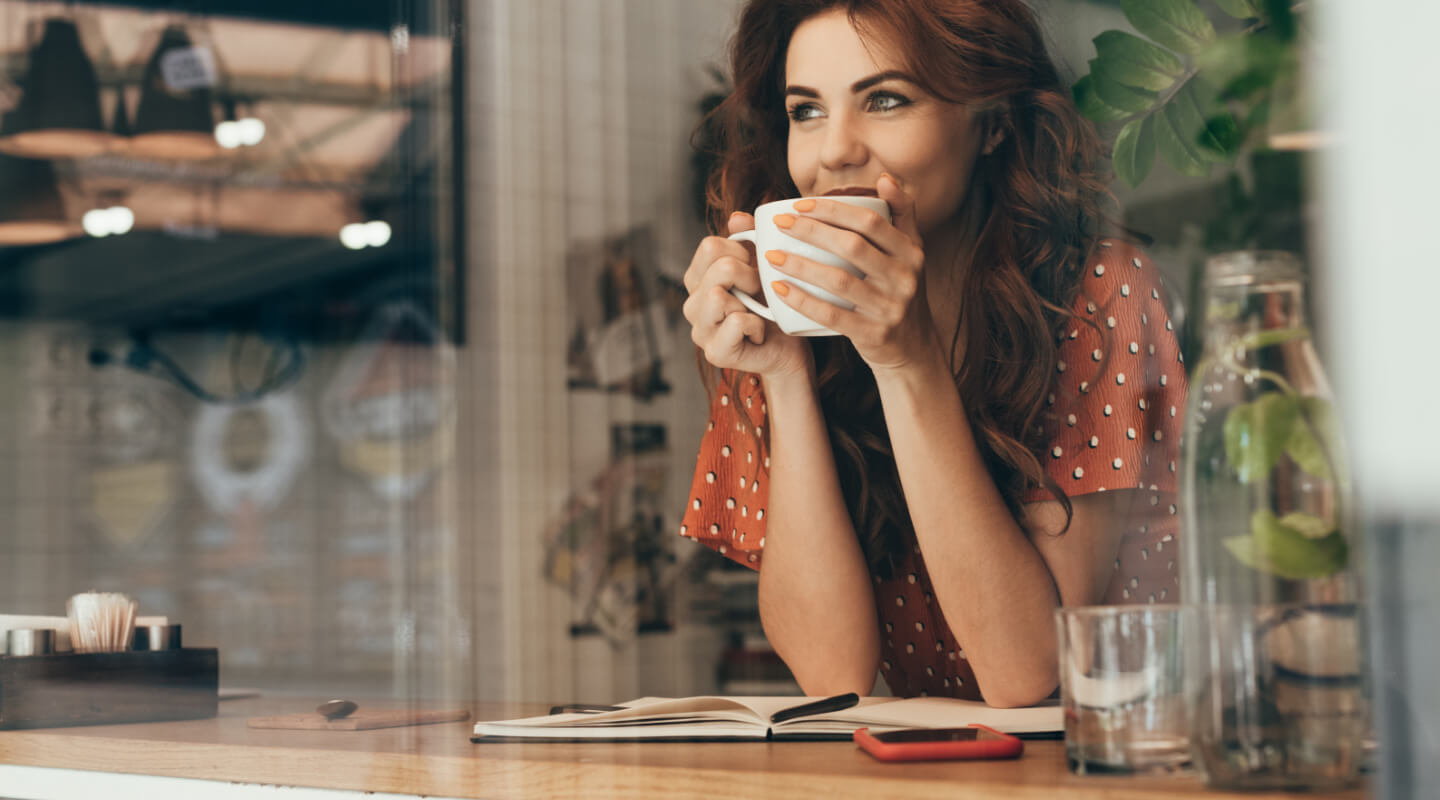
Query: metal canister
[30, 641]
[157, 637]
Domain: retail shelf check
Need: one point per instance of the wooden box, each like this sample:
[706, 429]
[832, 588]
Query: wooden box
[102, 688]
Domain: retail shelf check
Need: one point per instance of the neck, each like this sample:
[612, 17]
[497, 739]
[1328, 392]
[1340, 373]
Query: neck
[949, 257]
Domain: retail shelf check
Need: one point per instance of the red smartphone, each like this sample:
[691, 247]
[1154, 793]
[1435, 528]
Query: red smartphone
[939, 744]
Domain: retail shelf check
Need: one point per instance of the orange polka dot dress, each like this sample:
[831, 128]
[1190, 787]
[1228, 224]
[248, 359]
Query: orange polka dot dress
[1112, 423]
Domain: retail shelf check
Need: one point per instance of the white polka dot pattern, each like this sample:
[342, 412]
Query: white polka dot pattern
[1109, 427]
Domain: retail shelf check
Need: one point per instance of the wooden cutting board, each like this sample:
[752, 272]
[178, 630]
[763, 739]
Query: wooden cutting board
[362, 720]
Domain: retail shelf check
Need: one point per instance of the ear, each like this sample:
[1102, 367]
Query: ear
[997, 126]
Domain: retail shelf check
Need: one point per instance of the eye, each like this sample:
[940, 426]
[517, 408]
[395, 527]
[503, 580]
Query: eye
[803, 111]
[886, 101]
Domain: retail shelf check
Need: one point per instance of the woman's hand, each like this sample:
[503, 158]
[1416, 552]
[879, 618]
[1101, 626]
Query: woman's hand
[890, 325]
[729, 334]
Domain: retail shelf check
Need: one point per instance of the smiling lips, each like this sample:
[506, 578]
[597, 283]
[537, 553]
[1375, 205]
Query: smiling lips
[852, 191]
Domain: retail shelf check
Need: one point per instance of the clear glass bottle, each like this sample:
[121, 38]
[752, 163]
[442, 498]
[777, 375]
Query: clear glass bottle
[1274, 650]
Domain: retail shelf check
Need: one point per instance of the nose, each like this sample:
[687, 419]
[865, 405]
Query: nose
[844, 143]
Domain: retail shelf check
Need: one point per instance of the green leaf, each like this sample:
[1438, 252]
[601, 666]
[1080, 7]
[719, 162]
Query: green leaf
[1222, 133]
[1227, 131]
[1240, 9]
[1256, 434]
[1178, 151]
[1090, 103]
[1243, 548]
[1305, 449]
[1307, 525]
[1259, 115]
[1190, 125]
[1243, 63]
[1178, 24]
[1135, 62]
[1288, 553]
[1135, 151]
[1311, 442]
[1116, 94]
[1281, 18]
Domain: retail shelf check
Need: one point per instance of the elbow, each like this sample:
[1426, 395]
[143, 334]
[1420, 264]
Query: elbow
[831, 685]
[1016, 699]
[1018, 689]
[827, 677]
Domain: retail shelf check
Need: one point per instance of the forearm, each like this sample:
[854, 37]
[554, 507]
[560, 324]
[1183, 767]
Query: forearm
[815, 595]
[994, 587]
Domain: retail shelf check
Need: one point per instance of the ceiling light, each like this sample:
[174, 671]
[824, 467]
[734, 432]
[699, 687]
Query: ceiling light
[101, 222]
[175, 119]
[59, 112]
[377, 233]
[252, 131]
[354, 236]
[31, 211]
[227, 134]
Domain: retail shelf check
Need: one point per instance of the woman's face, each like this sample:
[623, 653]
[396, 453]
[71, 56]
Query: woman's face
[854, 114]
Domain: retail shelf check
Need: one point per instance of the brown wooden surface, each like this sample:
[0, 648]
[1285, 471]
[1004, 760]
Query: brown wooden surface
[441, 760]
[98, 688]
[361, 720]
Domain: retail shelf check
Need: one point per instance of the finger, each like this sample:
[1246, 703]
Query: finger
[902, 207]
[727, 343]
[706, 309]
[834, 317]
[835, 223]
[729, 271]
[752, 326]
[710, 250]
[835, 280]
[738, 222]
[738, 328]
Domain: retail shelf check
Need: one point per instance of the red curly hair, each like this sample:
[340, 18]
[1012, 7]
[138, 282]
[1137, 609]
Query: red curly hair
[1044, 192]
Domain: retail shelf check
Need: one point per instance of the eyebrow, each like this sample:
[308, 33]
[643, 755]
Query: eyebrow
[856, 87]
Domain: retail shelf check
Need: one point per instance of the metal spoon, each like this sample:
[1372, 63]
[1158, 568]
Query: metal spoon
[336, 709]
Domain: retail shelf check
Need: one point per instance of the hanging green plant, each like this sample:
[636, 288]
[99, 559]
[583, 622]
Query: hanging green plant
[1183, 91]
[1280, 423]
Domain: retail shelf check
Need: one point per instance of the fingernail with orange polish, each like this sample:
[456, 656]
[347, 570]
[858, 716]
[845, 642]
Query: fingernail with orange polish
[776, 257]
[804, 205]
[784, 221]
[781, 287]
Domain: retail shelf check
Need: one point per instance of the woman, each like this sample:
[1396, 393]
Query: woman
[992, 433]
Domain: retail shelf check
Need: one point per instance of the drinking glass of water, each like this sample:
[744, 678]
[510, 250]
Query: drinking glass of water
[1122, 689]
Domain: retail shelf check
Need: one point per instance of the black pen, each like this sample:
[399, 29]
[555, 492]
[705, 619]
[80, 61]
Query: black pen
[839, 702]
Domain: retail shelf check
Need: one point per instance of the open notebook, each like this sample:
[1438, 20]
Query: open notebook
[723, 718]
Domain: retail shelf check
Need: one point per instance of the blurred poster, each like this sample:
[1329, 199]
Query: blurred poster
[607, 548]
[620, 328]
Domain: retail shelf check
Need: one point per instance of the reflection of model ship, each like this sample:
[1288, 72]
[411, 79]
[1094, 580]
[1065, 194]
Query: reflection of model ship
[388, 408]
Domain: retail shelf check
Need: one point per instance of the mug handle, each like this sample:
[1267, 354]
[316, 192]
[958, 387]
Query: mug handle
[749, 302]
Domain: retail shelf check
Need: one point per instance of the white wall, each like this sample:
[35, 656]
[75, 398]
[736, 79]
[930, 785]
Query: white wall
[1383, 280]
[580, 119]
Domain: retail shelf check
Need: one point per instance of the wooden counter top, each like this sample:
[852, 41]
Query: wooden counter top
[440, 760]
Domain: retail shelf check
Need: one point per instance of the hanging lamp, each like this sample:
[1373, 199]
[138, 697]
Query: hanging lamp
[120, 121]
[31, 211]
[59, 111]
[173, 122]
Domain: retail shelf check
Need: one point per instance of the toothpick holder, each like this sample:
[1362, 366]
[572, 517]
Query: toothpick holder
[51, 691]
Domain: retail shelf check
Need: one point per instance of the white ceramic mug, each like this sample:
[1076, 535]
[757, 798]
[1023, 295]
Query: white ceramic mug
[766, 236]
